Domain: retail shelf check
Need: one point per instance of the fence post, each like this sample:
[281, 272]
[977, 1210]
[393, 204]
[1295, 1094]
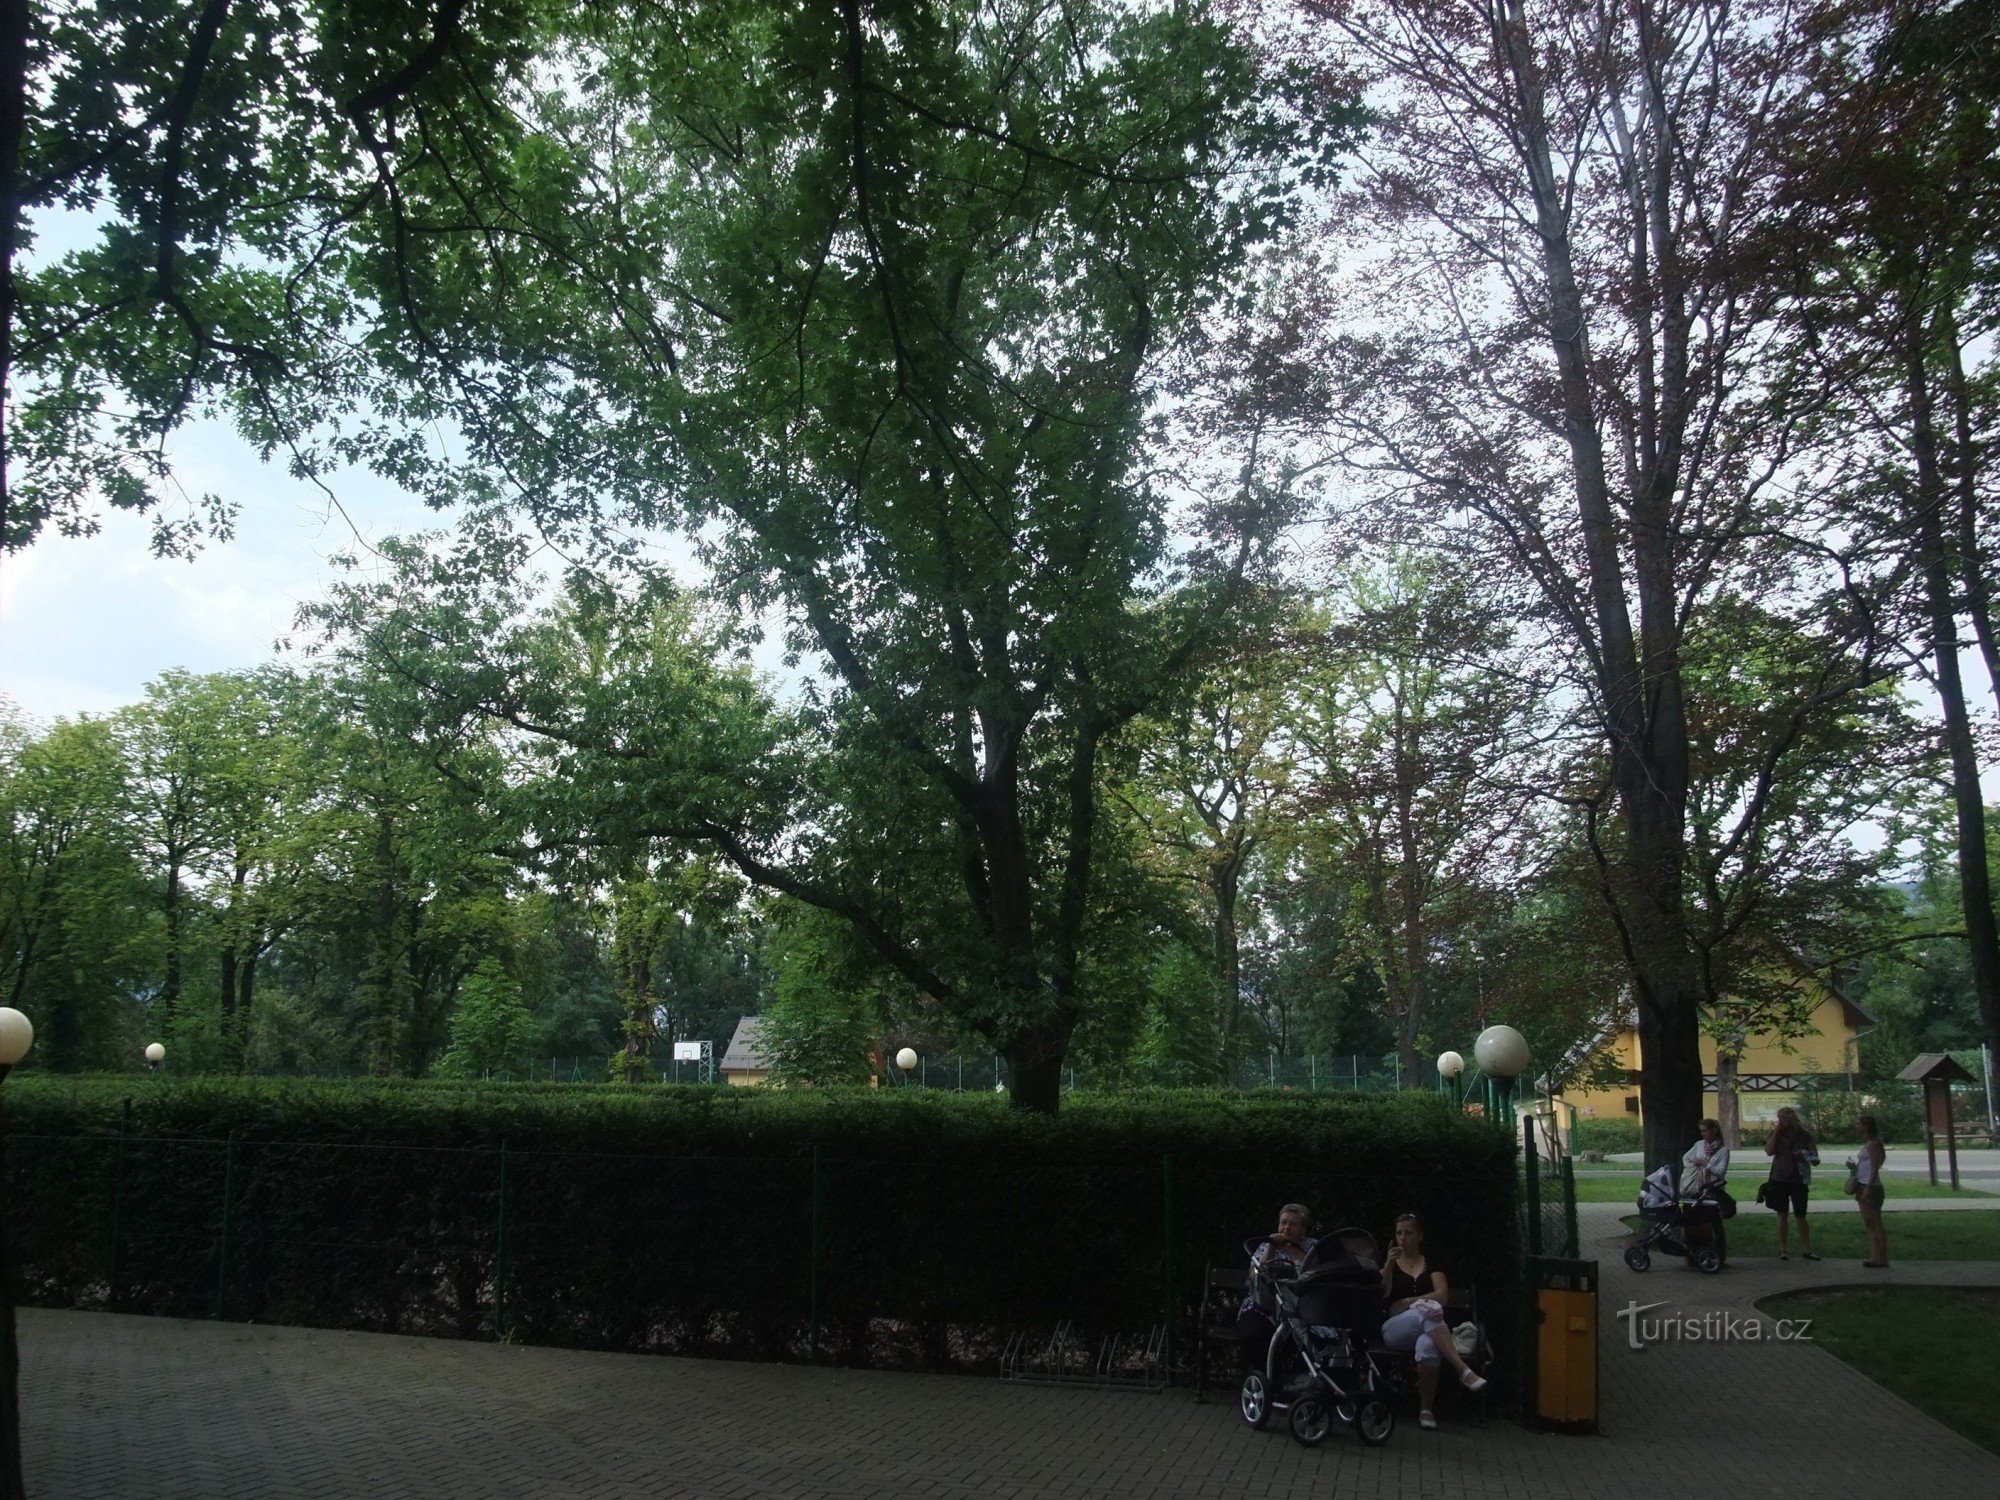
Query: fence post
[818, 1245]
[228, 1192]
[1569, 1209]
[118, 1201]
[1170, 1260]
[1354, 1062]
[1532, 1173]
[500, 1253]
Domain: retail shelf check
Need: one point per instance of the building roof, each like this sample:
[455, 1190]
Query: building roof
[743, 1055]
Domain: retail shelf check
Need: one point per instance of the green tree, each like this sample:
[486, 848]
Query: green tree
[882, 305]
[1419, 725]
[75, 950]
[492, 1030]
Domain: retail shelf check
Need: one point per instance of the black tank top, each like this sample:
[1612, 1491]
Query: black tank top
[1402, 1284]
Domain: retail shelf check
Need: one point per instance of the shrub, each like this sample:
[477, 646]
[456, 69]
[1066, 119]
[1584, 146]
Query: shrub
[1618, 1133]
[872, 1228]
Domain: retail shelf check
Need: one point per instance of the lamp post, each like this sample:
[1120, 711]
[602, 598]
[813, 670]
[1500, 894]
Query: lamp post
[1502, 1055]
[906, 1059]
[17, 1035]
[155, 1055]
[1450, 1067]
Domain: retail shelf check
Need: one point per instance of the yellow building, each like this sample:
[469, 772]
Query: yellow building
[1769, 1074]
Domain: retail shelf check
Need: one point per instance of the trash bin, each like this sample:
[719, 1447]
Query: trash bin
[1565, 1294]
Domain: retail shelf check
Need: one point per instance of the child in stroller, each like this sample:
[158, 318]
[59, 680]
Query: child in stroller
[1319, 1367]
[1673, 1224]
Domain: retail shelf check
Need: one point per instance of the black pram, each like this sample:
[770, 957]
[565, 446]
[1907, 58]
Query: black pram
[1670, 1218]
[1319, 1367]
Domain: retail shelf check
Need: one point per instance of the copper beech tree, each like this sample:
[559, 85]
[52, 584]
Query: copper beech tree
[1550, 322]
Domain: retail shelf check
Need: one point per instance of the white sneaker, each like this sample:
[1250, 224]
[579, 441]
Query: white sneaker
[1426, 1421]
[1471, 1381]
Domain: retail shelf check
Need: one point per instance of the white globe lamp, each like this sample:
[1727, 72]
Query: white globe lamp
[906, 1058]
[17, 1035]
[1502, 1055]
[155, 1054]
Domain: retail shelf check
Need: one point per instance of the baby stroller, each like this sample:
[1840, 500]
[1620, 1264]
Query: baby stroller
[1669, 1218]
[1319, 1369]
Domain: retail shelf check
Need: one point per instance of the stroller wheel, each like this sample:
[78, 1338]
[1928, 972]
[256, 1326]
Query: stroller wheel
[1375, 1423]
[1707, 1259]
[1255, 1399]
[1311, 1420]
[1347, 1412]
[1638, 1258]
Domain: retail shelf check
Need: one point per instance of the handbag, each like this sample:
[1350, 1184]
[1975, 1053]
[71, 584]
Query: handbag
[1852, 1187]
[1724, 1203]
[1763, 1190]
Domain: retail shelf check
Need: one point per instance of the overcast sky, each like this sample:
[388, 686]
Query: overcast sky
[85, 624]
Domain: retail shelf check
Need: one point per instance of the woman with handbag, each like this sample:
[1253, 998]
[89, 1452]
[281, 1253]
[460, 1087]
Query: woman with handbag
[1866, 1172]
[1793, 1154]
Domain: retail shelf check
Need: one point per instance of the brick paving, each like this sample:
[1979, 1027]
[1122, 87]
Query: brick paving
[126, 1408]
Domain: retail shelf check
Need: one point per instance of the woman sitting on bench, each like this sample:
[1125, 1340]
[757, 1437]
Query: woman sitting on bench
[1418, 1293]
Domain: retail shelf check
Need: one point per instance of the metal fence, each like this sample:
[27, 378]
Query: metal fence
[924, 1261]
[1548, 1190]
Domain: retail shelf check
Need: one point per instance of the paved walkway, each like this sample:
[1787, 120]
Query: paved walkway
[121, 1407]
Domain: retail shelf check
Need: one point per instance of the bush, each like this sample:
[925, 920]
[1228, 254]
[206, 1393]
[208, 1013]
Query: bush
[911, 1228]
[1617, 1133]
[1829, 1112]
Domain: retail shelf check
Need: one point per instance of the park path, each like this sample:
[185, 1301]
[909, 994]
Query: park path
[119, 1407]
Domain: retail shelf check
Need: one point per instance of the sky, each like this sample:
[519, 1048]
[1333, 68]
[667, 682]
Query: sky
[86, 623]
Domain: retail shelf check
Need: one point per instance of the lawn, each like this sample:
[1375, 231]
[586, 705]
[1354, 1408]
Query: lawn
[1915, 1236]
[1936, 1347]
[1623, 1187]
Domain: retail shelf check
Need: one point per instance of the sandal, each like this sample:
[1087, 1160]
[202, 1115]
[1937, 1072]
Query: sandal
[1875, 1265]
[1808, 1256]
[1472, 1380]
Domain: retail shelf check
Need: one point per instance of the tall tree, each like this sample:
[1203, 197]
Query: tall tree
[1564, 339]
[880, 305]
[1895, 174]
[1417, 719]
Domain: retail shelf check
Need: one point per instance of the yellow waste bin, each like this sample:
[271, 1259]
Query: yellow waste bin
[1565, 1344]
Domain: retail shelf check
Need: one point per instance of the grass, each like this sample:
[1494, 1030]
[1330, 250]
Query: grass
[1915, 1236]
[1623, 1187]
[1936, 1347]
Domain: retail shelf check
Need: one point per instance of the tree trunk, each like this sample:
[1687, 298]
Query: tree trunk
[1728, 1104]
[379, 988]
[1225, 882]
[1975, 886]
[170, 983]
[1641, 695]
[14, 23]
[1035, 1059]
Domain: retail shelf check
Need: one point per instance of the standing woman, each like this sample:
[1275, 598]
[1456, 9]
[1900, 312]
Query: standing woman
[1418, 1292]
[1793, 1154]
[1868, 1172]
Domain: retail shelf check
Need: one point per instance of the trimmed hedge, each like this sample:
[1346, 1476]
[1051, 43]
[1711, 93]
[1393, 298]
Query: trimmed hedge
[904, 1229]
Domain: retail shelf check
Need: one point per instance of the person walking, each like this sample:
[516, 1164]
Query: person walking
[1793, 1154]
[1868, 1173]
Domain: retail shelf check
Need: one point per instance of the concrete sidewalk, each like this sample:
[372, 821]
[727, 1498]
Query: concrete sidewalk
[120, 1407]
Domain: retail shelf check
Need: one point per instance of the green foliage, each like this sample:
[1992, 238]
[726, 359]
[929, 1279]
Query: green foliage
[1613, 1133]
[491, 1029]
[947, 1222]
[827, 1008]
[1829, 1111]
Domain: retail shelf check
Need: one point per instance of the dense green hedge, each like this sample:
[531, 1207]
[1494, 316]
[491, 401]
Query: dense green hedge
[686, 1220]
